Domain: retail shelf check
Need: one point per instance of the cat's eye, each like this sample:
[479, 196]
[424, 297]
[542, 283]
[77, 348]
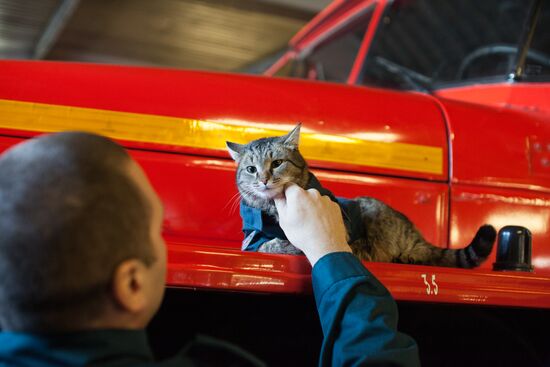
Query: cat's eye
[251, 169]
[276, 163]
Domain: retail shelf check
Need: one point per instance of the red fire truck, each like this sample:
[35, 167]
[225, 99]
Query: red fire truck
[439, 108]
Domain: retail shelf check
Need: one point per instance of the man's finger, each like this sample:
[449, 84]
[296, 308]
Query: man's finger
[292, 190]
[314, 193]
[280, 203]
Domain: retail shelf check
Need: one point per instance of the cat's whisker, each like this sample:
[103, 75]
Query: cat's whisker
[244, 195]
[234, 202]
[234, 206]
[237, 196]
[236, 199]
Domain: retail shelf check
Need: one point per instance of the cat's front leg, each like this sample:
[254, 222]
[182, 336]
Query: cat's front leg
[278, 246]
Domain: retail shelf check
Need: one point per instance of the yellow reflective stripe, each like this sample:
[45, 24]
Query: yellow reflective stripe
[177, 131]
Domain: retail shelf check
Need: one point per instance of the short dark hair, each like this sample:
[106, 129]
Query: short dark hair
[69, 214]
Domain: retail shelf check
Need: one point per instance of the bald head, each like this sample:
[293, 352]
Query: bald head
[69, 214]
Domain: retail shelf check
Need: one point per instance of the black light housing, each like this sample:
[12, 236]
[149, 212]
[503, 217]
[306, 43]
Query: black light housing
[513, 249]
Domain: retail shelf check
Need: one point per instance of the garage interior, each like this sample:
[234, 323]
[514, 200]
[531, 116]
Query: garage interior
[246, 36]
[235, 35]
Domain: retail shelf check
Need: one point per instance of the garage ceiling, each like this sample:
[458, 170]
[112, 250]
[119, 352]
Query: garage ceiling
[21, 25]
[199, 34]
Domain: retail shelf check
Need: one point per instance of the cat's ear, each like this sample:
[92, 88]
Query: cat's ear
[235, 150]
[292, 138]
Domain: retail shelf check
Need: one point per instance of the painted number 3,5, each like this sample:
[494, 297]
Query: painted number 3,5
[431, 286]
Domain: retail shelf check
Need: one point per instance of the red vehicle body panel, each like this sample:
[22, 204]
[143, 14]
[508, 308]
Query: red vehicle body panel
[503, 175]
[196, 184]
[527, 97]
[510, 155]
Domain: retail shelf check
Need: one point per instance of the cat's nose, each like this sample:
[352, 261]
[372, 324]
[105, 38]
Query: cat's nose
[264, 180]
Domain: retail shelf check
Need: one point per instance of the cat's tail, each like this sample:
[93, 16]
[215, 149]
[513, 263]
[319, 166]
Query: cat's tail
[478, 250]
[468, 257]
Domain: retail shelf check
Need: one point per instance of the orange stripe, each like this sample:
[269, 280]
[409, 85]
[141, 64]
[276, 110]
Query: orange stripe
[176, 131]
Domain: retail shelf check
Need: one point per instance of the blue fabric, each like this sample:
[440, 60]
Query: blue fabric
[260, 227]
[358, 317]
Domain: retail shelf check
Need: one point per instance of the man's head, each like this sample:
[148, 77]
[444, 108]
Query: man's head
[80, 243]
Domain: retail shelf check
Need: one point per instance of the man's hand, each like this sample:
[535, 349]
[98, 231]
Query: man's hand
[311, 222]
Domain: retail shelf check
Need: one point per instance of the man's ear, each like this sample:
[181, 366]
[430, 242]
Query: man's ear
[128, 286]
[292, 138]
[235, 150]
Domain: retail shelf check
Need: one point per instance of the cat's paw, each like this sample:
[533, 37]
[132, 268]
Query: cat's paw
[278, 246]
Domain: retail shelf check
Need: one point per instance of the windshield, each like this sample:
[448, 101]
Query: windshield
[423, 44]
[333, 58]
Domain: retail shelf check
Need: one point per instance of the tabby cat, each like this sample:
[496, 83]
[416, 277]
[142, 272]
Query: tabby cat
[376, 232]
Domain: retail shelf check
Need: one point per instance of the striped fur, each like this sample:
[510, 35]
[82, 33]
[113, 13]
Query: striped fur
[390, 236]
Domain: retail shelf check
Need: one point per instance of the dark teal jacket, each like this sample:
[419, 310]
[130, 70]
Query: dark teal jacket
[358, 317]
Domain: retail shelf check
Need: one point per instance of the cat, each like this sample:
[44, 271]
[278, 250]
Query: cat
[376, 232]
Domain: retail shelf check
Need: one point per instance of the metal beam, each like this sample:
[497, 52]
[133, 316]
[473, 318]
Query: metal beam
[57, 22]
